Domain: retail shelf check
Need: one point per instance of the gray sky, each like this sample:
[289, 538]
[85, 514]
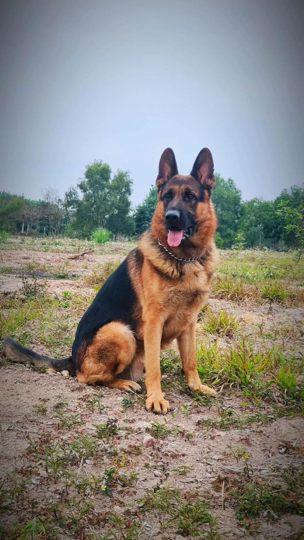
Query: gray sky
[120, 80]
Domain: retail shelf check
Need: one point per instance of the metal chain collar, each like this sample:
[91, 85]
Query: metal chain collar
[181, 259]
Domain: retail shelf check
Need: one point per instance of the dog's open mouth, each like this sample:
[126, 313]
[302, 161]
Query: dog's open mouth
[175, 236]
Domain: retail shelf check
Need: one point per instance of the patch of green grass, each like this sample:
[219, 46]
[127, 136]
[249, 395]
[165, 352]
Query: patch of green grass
[84, 446]
[99, 275]
[170, 362]
[106, 429]
[228, 418]
[187, 514]
[221, 323]
[68, 420]
[33, 529]
[274, 291]
[254, 499]
[160, 430]
[260, 277]
[60, 405]
[166, 499]
[257, 373]
[191, 515]
[12, 489]
[94, 401]
[31, 287]
[40, 408]
[183, 470]
[127, 403]
[122, 528]
[227, 288]
[253, 265]
[6, 269]
[61, 272]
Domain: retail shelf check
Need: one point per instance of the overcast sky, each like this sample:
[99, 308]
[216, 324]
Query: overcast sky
[120, 80]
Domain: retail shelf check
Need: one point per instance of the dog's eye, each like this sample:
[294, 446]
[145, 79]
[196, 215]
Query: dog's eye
[168, 196]
[189, 196]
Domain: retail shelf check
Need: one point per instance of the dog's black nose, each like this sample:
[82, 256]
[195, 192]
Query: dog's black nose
[172, 218]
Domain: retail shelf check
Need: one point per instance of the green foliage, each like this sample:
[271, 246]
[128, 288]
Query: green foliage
[258, 223]
[106, 429]
[103, 201]
[226, 198]
[221, 323]
[160, 430]
[10, 206]
[144, 212]
[101, 236]
[255, 498]
[32, 530]
[192, 514]
[274, 291]
[3, 236]
[122, 528]
[185, 514]
[290, 209]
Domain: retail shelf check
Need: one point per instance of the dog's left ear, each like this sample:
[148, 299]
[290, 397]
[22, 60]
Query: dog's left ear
[203, 168]
[167, 167]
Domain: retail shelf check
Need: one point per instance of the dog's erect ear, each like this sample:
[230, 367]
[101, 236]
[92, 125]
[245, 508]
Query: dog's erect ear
[203, 168]
[167, 167]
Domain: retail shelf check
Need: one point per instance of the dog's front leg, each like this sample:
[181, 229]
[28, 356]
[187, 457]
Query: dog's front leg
[187, 349]
[152, 338]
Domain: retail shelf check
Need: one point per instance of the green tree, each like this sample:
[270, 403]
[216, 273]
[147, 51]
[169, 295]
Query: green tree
[144, 211]
[120, 221]
[290, 211]
[258, 223]
[10, 206]
[226, 198]
[93, 209]
[103, 201]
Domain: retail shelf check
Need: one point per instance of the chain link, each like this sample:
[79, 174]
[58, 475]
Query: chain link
[181, 259]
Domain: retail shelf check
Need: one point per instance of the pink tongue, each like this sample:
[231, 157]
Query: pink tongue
[175, 238]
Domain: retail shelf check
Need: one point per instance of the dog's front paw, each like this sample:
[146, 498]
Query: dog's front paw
[156, 403]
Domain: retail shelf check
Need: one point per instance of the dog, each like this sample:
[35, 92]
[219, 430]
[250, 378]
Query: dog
[153, 297]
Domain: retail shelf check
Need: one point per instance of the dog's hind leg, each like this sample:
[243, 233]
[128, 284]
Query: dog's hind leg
[111, 351]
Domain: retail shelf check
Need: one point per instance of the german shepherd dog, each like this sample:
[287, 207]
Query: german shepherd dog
[153, 297]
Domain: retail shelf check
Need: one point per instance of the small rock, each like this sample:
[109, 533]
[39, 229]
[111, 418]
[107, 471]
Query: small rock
[65, 374]
[148, 441]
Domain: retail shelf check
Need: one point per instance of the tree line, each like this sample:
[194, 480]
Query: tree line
[102, 200]
[277, 224]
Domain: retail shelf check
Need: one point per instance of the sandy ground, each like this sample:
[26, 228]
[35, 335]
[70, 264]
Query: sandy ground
[205, 451]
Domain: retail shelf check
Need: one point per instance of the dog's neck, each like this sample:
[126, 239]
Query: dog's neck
[201, 258]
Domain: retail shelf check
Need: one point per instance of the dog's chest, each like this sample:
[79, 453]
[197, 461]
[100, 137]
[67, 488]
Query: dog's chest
[190, 291]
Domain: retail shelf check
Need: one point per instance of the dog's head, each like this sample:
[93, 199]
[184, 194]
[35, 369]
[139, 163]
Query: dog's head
[184, 217]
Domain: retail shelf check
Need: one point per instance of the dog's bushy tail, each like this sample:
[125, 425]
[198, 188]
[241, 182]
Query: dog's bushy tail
[17, 353]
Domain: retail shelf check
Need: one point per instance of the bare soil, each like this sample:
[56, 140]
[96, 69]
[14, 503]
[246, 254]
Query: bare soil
[205, 451]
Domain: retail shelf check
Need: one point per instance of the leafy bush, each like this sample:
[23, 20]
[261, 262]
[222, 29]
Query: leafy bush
[101, 236]
[3, 236]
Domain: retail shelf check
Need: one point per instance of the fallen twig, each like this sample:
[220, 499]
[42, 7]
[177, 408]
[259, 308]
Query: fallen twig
[79, 255]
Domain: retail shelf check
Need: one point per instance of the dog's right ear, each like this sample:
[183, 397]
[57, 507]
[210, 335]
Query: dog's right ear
[167, 167]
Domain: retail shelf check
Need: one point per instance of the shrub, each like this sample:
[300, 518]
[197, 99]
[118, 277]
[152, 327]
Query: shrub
[101, 236]
[3, 236]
